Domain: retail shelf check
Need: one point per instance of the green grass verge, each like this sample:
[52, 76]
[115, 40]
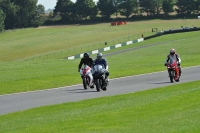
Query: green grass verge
[52, 71]
[73, 39]
[33, 59]
[168, 109]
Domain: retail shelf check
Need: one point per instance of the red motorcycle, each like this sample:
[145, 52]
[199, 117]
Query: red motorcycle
[173, 70]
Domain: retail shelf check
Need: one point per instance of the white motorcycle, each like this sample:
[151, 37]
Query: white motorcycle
[87, 78]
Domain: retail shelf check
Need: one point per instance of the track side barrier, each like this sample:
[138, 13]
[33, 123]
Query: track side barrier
[106, 48]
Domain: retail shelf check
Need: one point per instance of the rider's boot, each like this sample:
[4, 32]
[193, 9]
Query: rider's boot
[180, 71]
[92, 85]
[107, 80]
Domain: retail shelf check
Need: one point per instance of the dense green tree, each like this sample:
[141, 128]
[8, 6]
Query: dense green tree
[148, 6]
[10, 10]
[168, 6]
[158, 6]
[116, 4]
[185, 6]
[40, 10]
[151, 7]
[197, 6]
[26, 13]
[128, 7]
[39, 18]
[65, 8]
[86, 8]
[2, 18]
[106, 8]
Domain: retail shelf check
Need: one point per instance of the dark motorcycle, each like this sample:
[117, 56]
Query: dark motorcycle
[173, 70]
[100, 80]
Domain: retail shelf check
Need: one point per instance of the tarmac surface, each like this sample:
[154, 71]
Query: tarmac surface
[23, 101]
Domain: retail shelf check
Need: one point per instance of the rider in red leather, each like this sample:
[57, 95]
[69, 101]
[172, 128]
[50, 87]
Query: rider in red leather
[174, 55]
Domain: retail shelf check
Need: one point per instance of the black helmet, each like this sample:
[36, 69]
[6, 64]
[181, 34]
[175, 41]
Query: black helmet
[86, 55]
[172, 51]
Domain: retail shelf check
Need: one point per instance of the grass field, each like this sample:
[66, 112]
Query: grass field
[51, 72]
[70, 40]
[30, 60]
[34, 59]
[169, 109]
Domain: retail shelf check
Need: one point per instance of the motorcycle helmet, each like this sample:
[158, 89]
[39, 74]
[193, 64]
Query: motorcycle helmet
[172, 51]
[99, 56]
[86, 55]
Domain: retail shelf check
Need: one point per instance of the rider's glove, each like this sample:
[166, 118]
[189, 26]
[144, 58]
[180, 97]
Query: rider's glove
[179, 64]
[165, 64]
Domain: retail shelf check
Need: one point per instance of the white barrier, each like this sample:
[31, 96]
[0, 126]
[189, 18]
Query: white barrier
[95, 51]
[129, 42]
[198, 17]
[118, 45]
[141, 39]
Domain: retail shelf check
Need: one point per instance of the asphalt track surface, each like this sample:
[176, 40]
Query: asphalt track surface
[23, 101]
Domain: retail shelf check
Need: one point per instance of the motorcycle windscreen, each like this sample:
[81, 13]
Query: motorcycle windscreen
[99, 69]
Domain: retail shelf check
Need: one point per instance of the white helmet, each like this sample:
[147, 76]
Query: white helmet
[99, 56]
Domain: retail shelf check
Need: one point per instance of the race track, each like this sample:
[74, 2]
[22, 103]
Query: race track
[23, 101]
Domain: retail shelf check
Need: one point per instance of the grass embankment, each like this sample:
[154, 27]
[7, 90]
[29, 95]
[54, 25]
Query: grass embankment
[54, 72]
[169, 109]
[74, 39]
[26, 65]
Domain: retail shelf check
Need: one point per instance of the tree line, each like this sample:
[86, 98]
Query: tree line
[20, 14]
[26, 13]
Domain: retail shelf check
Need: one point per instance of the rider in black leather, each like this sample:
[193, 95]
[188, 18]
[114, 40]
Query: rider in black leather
[86, 60]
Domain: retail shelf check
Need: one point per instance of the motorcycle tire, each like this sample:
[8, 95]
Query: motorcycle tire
[97, 83]
[171, 76]
[85, 86]
[177, 80]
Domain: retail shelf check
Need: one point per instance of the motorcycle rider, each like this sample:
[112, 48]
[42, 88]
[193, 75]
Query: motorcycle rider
[173, 55]
[102, 61]
[86, 60]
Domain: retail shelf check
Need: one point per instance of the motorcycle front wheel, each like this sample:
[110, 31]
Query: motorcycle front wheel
[97, 83]
[85, 83]
[171, 76]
